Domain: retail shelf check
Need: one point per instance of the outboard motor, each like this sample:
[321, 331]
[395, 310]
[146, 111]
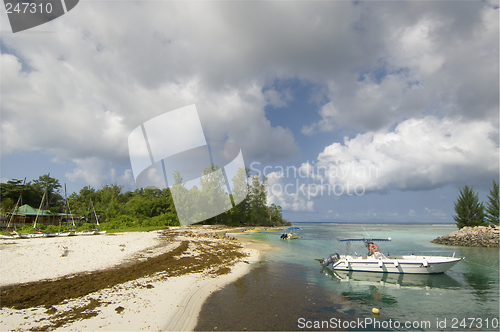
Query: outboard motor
[330, 260]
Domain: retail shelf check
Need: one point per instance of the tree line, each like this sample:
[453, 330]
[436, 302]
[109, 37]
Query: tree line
[471, 212]
[149, 207]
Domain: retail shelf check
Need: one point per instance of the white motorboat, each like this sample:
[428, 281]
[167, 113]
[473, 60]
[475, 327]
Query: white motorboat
[376, 261]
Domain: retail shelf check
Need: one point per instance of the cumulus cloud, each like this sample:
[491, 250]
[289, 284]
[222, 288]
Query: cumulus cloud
[83, 89]
[97, 173]
[419, 154]
[290, 196]
[109, 66]
[436, 60]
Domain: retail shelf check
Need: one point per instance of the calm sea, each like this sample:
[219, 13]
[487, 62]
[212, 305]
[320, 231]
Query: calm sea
[289, 290]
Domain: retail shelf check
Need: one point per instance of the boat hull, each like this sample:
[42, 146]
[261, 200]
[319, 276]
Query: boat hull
[85, 233]
[405, 264]
[6, 237]
[30, 235]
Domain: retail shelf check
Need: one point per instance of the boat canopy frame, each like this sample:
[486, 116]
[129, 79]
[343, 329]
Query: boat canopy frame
[365, 240]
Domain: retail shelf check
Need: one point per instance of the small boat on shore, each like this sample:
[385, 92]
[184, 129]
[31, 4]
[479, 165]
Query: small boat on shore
[7, 237]
[238, 232]
[274, 229]
[85, 233]
[57, 234]
[30, 235]
[376, 261]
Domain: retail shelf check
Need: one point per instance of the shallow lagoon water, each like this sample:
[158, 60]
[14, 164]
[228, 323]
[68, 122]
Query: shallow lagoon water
[469, 290]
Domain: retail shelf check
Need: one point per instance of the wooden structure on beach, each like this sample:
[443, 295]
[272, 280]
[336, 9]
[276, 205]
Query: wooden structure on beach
[27, 215]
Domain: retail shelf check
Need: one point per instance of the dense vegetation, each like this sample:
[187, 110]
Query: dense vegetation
[470, 212]
[141, 209]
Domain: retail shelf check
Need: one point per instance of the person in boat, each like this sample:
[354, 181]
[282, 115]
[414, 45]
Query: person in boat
[372, 248]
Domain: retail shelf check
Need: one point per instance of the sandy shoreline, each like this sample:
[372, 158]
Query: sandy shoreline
[169, 299]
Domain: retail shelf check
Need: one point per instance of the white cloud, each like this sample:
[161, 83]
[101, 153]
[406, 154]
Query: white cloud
[91, 83]
[108, 67]
[419, 154]
[97, 173]
[434, 61]
[288, 196]
[278, 98]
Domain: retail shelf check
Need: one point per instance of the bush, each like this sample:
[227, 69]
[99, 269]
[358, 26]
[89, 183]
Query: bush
[163, 220]
[120, 222]
[52, 229]
[26, 229]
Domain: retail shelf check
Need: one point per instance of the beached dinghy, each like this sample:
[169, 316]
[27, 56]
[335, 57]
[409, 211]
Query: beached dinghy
[376, 261]
[274, 229]
[6, 237]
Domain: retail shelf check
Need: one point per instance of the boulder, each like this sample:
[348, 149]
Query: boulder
[479, 236]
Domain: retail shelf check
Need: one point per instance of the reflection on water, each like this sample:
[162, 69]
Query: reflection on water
[272, 297]
[481, 271]
[370, 296]
[396, 280]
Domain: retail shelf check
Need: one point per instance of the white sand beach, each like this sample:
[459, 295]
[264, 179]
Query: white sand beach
[158, 302]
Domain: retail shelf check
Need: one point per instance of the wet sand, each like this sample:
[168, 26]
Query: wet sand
[160, 285]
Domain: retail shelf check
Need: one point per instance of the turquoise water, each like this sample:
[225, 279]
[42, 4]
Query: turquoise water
[469, 290]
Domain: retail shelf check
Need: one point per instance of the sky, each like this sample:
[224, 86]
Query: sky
[354, 110]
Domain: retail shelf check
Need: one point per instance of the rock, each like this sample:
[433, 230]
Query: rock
[479, 236]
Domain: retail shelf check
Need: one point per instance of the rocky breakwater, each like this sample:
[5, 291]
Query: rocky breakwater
[479, 236]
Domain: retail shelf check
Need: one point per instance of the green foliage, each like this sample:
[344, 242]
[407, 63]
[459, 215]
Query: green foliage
[121, 222]
[51, 187]
[30, 193]
[469, 211]
[149, 208]
[86, 227]
[26, 229]
[492, 213]
[257, 202]
[276, 215]
[163, 220]
[7, 204]
[52, 229]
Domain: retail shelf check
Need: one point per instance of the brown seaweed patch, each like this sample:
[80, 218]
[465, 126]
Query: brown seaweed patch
[211, 257]
[69, 316]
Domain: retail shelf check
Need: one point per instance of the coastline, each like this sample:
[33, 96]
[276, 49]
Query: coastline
[478, 236]
[169, 299]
